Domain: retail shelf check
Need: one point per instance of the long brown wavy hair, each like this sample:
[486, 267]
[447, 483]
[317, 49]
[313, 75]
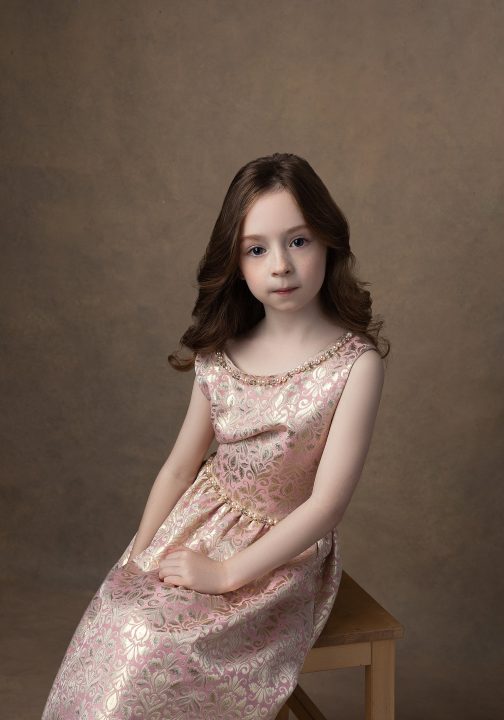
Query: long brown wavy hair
[225, 307]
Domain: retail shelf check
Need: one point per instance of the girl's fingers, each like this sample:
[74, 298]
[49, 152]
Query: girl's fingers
[171, 580]
[168, 565]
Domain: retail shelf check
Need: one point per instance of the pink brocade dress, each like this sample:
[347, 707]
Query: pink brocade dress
[147, 650]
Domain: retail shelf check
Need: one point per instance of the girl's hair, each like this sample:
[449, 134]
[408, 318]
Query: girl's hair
[225, 307]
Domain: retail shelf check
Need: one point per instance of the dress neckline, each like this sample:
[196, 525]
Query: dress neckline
[276, 378]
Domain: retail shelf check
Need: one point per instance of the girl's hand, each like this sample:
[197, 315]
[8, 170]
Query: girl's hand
[194, 570]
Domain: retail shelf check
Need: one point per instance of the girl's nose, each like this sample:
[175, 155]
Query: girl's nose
[280, 265]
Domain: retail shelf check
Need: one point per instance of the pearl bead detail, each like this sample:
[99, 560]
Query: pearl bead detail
[281, 378]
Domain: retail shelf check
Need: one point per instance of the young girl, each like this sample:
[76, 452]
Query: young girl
[216, 601]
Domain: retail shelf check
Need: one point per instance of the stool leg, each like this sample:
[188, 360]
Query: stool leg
[380, 680]
[284, 713]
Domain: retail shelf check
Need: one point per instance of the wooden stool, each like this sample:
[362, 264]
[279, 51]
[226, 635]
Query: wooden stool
[358, 632]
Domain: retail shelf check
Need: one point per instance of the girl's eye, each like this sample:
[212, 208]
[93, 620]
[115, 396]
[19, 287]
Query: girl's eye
[250, 251]
[303, 241]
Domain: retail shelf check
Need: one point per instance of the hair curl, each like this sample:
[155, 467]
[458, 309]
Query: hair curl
[225, 307]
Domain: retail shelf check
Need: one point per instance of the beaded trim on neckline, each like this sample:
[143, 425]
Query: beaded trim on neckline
[279, 378]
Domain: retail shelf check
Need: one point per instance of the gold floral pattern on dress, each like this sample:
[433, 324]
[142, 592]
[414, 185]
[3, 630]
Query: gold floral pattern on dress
[212, 479]
[156, 651]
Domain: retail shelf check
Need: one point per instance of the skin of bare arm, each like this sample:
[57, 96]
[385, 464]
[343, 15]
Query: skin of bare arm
[337, 475]
[179, 470]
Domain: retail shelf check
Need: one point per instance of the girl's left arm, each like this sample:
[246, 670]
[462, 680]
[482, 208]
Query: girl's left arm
[337, 475]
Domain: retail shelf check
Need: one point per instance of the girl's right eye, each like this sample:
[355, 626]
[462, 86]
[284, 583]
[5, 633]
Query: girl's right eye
[250, 251]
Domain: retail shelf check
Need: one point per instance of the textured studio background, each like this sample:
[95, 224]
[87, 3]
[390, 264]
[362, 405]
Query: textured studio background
[123, 124]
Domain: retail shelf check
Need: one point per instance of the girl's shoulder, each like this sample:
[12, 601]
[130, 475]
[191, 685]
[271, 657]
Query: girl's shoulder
[358, 347]
[204, 364]
[359, 342]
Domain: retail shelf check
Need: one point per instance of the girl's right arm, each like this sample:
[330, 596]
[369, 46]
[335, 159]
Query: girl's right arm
[179, 470]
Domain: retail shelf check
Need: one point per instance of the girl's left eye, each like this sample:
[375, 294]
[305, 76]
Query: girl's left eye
[303, 241]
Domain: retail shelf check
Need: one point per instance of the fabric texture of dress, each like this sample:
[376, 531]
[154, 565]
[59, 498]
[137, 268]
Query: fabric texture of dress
[149, 650]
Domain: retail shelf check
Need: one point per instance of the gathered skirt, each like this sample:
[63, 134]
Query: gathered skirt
[149, 650]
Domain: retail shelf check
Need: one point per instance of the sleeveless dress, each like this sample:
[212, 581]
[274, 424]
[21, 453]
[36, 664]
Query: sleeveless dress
[147, 650]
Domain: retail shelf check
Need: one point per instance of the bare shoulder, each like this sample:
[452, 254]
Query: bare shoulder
[368, 368]
[370, 357]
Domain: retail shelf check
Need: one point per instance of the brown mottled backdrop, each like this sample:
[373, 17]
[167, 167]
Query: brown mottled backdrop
[123, 124]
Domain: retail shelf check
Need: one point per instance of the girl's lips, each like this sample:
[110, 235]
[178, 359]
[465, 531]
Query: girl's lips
[286, 291]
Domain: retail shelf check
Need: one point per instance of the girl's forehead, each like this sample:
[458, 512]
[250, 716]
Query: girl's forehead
[272, 213]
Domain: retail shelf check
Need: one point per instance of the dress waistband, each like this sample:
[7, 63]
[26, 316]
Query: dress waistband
[213, 480]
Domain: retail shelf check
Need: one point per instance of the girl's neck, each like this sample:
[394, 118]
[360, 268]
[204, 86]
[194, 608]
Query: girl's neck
[300, 327]
[273, 345]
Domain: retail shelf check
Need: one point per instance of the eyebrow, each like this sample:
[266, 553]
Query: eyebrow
[287, 232]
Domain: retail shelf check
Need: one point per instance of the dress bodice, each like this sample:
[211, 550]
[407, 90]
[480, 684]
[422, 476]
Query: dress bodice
[271, 430]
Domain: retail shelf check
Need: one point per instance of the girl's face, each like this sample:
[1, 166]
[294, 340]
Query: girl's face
[279, 251]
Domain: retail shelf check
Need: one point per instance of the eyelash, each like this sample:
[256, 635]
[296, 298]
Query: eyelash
[298, 237]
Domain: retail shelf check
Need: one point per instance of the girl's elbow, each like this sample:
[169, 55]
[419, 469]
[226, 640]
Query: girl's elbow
[329, 516]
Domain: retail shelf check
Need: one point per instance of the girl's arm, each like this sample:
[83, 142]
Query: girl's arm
[179, 470]
[338, 472]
